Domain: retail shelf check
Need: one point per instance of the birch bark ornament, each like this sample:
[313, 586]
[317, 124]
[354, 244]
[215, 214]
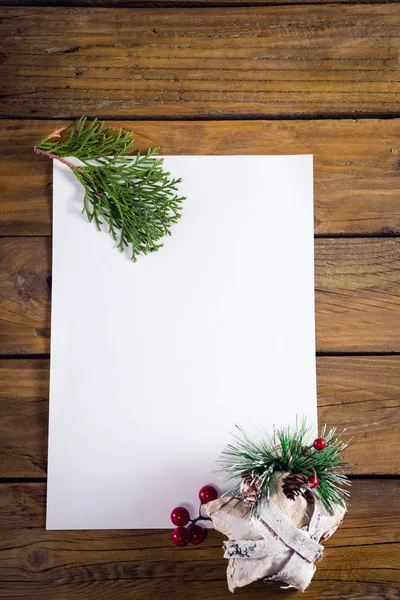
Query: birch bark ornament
[281, 544]
[291, 497]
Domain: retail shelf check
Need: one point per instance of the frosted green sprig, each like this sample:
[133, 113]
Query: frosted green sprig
[290, 451]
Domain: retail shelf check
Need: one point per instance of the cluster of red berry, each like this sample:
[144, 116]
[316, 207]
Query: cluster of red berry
[194, 534]
[319, 444]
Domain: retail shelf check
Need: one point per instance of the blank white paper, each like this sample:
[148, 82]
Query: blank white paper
[153, 363]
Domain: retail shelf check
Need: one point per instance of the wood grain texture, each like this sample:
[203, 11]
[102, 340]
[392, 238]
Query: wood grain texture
[24, 295]
[143, 564]
[24, 409]
[358, 393]
[356, 166]
[357, 295]
[273, 60]
[159, 589]
[179, 3]
[362, 394]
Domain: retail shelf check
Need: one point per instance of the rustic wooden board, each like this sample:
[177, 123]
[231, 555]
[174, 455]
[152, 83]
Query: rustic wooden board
[24, 295]
[181, 589]
[361, 394]
[358, 393]
[272, 60]
[311, 60]
[174, 3]
[356, 164]
[125, 564]
[24, 410]
[357, 295]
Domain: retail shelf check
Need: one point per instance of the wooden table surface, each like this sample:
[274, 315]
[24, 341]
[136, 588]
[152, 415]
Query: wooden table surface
[279, 77]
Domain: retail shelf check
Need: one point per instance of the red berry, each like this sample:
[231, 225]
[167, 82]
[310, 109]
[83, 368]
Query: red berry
[313, 481]
[180, 536]
[319, 444]
[180, 516]
[207, 494]
[197, 534]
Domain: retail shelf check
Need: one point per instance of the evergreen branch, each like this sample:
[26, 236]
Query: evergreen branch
[88, 141]
[63, 160]
[134, 197]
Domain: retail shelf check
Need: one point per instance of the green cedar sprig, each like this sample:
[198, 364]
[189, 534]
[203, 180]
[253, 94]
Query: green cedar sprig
[136, 197]
[290, 451]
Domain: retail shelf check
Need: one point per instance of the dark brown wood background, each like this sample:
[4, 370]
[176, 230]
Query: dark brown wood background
[287, 76]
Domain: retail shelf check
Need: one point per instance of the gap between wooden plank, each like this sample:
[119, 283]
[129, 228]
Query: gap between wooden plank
[317, 236]
[354, 116]
[333, 354]
[317, 354]
[41, 480]
[181, 4]
[7, 480]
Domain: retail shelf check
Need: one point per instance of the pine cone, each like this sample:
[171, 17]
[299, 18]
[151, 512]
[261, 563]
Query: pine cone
[247, 476]
[250, 488]
[294, 484]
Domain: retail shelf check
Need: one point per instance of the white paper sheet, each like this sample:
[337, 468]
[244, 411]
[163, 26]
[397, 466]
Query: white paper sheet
[153, 363]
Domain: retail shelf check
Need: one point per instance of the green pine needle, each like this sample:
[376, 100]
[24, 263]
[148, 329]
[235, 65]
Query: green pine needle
[290, 451]
[136, 198]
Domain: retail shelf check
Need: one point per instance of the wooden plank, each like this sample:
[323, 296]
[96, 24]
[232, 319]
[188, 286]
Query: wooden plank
[24, 409]
[361, 394]
[25, 295]
[173, 3]
[357, 393]
[103, 564]
[356, 166]
[272, 60]
[357, 295]
[159, 589]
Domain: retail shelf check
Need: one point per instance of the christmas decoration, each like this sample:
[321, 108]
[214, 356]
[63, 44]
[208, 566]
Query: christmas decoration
[295, 484]
[208, 493]
[180, 516]
[250, 488]
[135, 198]
[197, 534]
[319, 443]
[280, 544]
[194, 534]
[313, 482]
[180, 536]
[289, 452]
[290, 495]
